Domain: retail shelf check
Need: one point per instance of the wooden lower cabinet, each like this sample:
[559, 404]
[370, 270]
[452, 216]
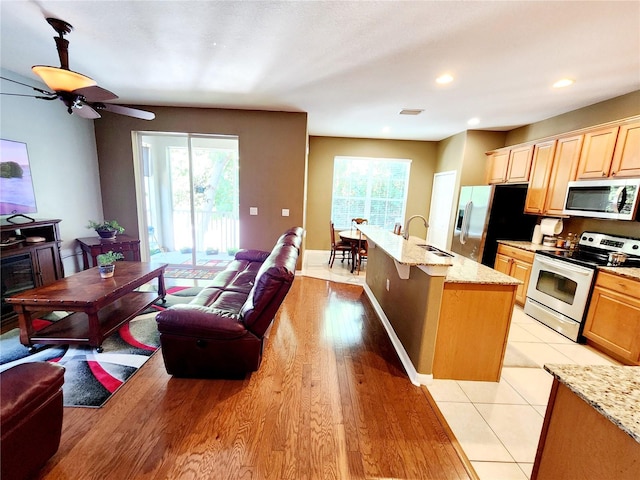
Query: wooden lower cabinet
[516, 263]
[578, 442]
[613, 319]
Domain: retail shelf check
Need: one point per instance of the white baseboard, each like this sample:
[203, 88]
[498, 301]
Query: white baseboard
[415, 377]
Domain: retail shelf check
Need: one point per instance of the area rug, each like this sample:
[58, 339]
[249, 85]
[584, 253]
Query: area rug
[91, 378]
[221, 264]
[192, 273]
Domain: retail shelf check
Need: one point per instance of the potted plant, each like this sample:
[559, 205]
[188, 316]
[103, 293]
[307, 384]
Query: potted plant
[106, 228]
[107, 261]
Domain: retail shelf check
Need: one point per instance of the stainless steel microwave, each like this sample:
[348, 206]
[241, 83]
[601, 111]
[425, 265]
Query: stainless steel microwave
[615, 199]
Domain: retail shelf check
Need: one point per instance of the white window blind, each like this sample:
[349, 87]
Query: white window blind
[371, 188]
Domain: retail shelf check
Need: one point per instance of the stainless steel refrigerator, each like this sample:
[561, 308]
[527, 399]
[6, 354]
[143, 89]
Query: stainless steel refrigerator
[486, 214]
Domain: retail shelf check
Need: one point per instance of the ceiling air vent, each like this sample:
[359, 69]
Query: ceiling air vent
[411, 111]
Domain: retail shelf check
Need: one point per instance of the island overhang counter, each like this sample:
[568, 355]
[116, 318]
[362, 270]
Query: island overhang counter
[447, 316]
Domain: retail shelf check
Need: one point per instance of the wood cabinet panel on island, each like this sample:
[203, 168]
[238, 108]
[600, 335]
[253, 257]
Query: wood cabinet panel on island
[613, 319]
[516, 263]
[590, 431]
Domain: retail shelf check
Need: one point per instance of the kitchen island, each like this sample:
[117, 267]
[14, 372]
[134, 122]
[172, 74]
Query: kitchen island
[447, 316]
[591, 428]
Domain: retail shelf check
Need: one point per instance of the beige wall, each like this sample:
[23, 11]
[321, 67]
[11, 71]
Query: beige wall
[608, 111]
[322, 151]
[474, 166]
[611, 110]
[272, 164]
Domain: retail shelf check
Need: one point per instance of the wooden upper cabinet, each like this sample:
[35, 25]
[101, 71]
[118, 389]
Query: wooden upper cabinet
[563, 171]
[498, 166]
[626, 158]
[519, 164]
[540, 174]
[597, 153]
[510, 165]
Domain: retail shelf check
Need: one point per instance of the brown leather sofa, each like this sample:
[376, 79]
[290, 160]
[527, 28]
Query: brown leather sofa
[220, 333]
[30, 417]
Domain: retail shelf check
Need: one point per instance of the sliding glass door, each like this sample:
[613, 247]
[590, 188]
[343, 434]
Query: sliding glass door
[189, 184]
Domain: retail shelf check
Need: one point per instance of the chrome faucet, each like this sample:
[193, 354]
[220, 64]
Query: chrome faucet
[405, 235]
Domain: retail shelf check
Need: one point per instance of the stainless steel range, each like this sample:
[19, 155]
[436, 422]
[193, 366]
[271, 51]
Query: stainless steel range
[561, 280]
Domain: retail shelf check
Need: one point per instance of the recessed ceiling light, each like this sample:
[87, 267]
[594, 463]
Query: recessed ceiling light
[564, 82]
[386, 129]
[411, 111]
[473, 121]
[444, 79]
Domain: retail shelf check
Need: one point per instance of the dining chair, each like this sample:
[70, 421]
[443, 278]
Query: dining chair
[359, 221]
[361, 253]
[337, 246]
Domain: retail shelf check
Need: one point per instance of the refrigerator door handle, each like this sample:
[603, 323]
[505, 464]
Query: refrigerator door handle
[466, 218]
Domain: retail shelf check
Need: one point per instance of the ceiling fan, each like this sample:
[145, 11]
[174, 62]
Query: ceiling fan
[79, 93]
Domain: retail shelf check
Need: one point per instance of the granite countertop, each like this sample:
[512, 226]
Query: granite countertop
[465, 270]
[460, 269]
[614, 391]
[406, 252]
[628, 272]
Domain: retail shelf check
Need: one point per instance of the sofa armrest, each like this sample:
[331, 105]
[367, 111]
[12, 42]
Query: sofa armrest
[197, 320]
[252, 255]
[25, 388]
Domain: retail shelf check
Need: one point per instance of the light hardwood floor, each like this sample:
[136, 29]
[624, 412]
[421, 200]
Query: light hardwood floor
[330, 400]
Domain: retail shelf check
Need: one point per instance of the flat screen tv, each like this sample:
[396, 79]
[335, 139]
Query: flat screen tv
[16, 185]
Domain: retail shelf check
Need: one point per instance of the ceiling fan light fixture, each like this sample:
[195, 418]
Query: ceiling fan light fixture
[62, 80]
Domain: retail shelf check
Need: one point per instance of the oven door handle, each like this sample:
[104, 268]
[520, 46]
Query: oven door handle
[564, 265]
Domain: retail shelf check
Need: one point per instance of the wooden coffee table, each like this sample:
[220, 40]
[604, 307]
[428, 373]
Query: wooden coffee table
[100, 305]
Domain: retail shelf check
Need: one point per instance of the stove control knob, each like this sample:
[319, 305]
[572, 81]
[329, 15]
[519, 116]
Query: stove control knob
[584, 238]
[591, 239]
[636, 247]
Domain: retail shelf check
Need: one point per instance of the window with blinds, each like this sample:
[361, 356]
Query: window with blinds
[371, 188]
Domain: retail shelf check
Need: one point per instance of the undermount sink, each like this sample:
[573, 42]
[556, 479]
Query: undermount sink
[434, 250]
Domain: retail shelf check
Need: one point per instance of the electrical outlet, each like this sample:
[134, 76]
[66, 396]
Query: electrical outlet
[253, 210]
[285, 212]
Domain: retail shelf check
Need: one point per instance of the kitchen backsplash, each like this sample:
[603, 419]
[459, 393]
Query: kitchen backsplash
[614, 227]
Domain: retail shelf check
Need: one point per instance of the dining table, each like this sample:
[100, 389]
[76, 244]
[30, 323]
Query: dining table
[356, 239]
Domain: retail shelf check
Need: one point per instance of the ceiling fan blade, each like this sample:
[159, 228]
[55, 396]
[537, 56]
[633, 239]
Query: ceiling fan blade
[131, 112]
[95, 94]
[86, 111]
[39, 90]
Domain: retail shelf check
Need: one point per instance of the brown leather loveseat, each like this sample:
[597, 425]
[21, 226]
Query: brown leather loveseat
[220, 333]
[30, 417]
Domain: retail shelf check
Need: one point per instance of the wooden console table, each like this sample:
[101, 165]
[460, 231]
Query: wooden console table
[94, 246]
[100, 306]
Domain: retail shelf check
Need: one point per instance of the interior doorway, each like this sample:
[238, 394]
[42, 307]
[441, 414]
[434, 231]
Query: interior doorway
[442, 196]
[189, 198]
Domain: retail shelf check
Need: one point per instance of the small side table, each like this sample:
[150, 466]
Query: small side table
[94, 246]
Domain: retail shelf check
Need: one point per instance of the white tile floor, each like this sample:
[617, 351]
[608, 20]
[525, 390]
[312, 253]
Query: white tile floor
[497, 424]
